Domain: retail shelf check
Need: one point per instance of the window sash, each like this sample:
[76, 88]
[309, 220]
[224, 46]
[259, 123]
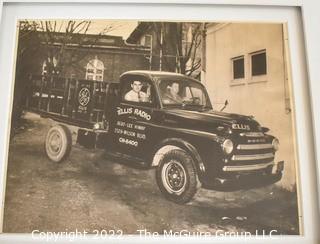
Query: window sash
[259, 63]
[95, 70]
[238, 68]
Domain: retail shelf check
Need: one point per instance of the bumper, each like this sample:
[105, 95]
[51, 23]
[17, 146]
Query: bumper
[247, 176]
[251, 167]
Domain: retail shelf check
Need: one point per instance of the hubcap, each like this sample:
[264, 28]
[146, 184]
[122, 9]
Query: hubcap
[55, 143]
[174, 177]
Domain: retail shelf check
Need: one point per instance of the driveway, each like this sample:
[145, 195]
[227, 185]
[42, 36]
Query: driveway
[90, 191]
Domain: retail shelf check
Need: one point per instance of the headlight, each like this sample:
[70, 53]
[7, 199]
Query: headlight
[275, 144]
[227, 146]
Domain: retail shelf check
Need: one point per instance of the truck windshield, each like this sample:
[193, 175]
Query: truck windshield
[183, 92]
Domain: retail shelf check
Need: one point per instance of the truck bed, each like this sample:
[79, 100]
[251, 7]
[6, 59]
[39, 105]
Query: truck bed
[76, 102]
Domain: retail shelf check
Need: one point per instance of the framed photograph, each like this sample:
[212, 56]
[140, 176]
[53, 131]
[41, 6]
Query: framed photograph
[138, 121]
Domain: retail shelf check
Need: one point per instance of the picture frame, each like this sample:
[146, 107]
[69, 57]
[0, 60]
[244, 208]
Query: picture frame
[302, 21]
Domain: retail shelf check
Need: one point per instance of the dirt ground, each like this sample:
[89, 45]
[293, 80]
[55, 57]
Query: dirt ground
[90, 191]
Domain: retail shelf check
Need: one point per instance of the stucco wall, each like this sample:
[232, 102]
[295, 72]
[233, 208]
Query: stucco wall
[265, 100]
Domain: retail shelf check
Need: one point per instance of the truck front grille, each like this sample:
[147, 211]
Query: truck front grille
[252, 134]
[251, 148]
[254, 146]
[252, 157]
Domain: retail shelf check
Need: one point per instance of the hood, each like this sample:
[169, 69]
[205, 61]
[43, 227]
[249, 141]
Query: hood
[210, 120]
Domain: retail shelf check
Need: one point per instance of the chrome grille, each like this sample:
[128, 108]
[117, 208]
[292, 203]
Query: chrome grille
[252, 134]
[252, 157]
[254, 146]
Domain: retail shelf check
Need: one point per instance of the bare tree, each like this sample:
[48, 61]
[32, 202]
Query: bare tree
[179, 46]
[59, 36]
[60, 41]
[25, 51]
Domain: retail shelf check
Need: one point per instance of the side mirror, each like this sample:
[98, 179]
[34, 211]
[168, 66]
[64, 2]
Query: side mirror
[265, 129]
[226, 103]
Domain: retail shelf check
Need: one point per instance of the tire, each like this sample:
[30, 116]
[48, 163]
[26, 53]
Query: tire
[58, 143]
[177, 176]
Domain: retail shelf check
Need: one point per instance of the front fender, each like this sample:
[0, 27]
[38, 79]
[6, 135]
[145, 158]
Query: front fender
[178, 143]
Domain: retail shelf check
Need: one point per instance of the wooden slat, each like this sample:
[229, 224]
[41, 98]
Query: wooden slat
[65, 96]
[41, 91]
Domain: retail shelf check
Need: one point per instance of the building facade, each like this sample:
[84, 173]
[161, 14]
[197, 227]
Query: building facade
[246, 65]
[84, 56]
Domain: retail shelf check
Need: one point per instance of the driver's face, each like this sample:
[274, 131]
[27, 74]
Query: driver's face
[136, 86]
[175, 88]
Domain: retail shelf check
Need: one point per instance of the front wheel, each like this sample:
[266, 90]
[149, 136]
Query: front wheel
[58, 143]
[177, 176]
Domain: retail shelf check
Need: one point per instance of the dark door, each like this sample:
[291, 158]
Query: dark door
[134, 117]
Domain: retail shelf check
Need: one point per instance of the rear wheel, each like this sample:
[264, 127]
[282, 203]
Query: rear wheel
[177, 176]
[58, 143]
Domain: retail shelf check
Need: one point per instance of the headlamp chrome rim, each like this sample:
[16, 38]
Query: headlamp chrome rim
[227, 146]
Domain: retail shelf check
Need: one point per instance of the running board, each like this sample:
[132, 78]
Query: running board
[126, 159]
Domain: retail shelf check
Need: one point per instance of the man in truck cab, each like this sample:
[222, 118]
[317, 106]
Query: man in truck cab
[172, 94]
[135, 94]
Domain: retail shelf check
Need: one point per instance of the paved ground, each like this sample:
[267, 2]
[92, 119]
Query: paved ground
[91, 192]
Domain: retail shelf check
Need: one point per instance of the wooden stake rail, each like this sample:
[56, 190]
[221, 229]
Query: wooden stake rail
[78, 102]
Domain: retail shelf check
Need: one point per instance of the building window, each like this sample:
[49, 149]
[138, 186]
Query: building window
[186, 39]
[50, 66]
[238, 68]
[259, 63]
[146, 40]
[95, 70]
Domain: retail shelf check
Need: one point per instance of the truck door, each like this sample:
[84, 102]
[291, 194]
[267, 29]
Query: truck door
[134, 116]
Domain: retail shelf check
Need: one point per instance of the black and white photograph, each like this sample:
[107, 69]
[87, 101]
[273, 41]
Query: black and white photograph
[149, 128]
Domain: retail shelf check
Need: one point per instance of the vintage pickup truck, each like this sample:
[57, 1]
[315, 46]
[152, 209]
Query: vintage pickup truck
[163, 120]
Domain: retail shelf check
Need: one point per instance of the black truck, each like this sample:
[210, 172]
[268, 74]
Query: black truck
[158, 119]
